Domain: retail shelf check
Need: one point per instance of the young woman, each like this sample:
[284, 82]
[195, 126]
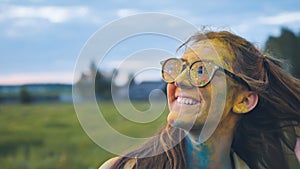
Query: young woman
[246, 103]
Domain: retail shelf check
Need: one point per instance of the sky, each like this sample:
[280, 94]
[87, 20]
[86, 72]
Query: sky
[40, 40]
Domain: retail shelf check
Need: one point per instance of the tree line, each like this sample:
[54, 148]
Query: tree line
[287, 48]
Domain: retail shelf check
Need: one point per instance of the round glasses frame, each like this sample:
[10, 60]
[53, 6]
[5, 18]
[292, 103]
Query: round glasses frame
[215, 68]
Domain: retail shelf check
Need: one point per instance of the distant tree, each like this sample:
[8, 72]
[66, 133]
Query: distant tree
[25, 96]
[130, 80]
[102, 82]
[287, 47]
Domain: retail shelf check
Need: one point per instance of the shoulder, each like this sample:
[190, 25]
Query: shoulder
[108, 163]
[129, 164]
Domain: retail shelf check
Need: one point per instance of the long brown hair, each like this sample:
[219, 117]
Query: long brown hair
[263, 136]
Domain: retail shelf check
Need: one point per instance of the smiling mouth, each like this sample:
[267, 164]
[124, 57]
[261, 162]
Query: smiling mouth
[187, 101]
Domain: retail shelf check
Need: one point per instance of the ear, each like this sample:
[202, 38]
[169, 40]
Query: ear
[245, 102]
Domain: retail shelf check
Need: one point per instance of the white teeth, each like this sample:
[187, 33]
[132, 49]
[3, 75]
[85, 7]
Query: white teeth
[186, 101]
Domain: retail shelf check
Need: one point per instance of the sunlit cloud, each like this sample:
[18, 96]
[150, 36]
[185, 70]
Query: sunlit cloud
[21, 21]
[53, 14]
[42, 77]
[282, 18]
[126, 12]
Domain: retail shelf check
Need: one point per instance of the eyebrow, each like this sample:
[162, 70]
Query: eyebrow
[201, 60]
[184, 60]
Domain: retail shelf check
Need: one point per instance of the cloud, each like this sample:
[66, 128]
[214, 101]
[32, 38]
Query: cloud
[126, 12]
[52, 14]
[282, 18]
[42, 77]
[19, 21]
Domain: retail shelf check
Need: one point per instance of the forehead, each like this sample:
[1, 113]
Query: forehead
[211, 49]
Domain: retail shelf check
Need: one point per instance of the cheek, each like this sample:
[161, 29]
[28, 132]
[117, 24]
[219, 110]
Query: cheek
[214, 104]
[232, 89]
[206, 97]
[171, 92]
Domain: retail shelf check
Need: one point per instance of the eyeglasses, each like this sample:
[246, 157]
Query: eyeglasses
[200, 72]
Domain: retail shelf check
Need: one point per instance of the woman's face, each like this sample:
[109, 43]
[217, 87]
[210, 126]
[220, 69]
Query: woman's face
[189, 105]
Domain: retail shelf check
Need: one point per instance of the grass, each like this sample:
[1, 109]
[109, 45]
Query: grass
[49, 136]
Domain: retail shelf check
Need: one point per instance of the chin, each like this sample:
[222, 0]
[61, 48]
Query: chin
[185, 123]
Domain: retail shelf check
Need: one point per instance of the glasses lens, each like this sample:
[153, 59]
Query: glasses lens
[171, 69]
[201, 73]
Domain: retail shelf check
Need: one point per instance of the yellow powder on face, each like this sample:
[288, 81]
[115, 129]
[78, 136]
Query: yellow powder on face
[212, 49]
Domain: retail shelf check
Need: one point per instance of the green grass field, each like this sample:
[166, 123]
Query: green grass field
[49, 136]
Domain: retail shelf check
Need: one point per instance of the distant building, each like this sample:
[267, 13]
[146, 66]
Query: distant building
[142, 90]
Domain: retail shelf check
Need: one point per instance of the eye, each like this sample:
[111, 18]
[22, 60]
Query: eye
[170, 68]
[200, 71]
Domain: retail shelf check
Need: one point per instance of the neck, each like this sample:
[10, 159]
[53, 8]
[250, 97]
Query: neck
[213, 153]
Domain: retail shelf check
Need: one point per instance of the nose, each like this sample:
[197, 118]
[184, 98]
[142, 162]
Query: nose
[183, 80]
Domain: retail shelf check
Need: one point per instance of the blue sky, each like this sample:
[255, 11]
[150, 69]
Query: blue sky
[40, 39]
